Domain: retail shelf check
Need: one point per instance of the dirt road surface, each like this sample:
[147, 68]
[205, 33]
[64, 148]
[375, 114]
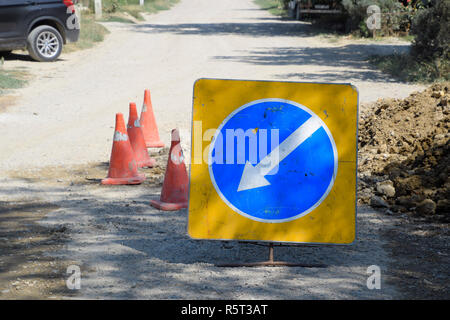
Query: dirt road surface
[56, 141]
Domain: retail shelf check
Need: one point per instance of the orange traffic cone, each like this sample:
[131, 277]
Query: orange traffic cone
[137, 139]
[174, 193]
[148, 123]
[123, 165]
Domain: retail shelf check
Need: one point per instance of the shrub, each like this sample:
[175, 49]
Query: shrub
[395, 17]
[430, 52]
[408, 68]
[432, 33]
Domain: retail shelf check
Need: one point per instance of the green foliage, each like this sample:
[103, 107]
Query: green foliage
[430, 53]
[91, 33]
[113, 7]
[395, 18]
[275, 7]
[431, 28]
[408, 68]
[363, 29]
[11, 79]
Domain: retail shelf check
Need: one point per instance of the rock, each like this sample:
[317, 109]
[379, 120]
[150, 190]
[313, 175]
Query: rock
[394, 173]
[443, 206]
[365, 194]
[362, 183]
[378, 202]
[426, 207]
[405, 202]
[386, 188]
[408, 184]
[429, 193]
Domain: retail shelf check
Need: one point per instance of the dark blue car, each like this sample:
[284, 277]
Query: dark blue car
[41, 26]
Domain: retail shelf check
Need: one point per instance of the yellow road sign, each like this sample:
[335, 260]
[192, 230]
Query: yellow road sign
[273, 161]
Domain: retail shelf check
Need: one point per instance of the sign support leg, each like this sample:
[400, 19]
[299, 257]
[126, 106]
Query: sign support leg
[270, 253]
[271, 263]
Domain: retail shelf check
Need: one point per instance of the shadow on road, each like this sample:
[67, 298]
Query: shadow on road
[139, 252]
[349, 61]
[348, 56]
[273, 28]
[19, 55]
[27, 271]
[331, 63]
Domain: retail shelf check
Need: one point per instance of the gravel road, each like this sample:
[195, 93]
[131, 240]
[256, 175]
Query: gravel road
[126, 249]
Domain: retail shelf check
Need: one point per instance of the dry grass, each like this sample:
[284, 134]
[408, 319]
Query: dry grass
[91, 33]
[11, 79]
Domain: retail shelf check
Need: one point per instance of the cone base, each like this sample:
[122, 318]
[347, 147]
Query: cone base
[118, 181]
[165, 206]
[154, 144]
[147, 164]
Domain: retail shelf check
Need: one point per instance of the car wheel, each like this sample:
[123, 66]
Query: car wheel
[44, 44]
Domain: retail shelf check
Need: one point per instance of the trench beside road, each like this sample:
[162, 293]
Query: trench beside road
[59, 132]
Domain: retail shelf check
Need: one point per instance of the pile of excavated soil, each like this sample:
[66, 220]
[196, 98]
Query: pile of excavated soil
[404, 153]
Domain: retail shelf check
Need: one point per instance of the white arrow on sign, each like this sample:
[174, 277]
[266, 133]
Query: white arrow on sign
[253, 176]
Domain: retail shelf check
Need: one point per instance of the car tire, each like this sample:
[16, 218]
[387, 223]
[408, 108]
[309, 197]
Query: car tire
[44, 44]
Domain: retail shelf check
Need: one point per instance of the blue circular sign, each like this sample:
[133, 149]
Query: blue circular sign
[273, 160]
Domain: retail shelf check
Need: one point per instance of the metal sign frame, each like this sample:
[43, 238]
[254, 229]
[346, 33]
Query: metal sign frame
[251, 100]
